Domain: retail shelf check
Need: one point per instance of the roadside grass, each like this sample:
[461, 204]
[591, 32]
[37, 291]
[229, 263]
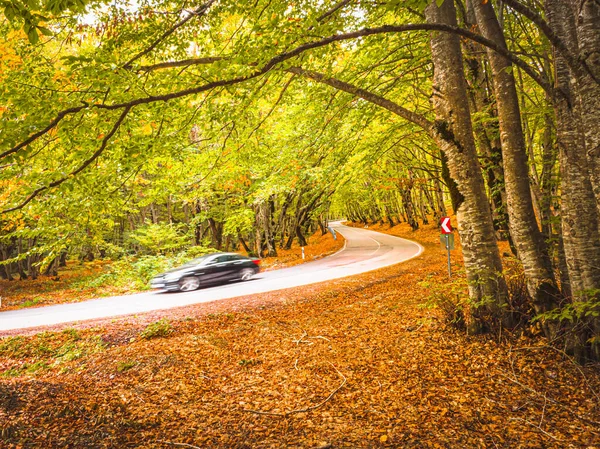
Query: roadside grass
[353, 363]
[161, 328]
[45, 351]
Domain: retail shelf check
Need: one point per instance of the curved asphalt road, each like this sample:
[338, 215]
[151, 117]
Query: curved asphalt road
[364, 251]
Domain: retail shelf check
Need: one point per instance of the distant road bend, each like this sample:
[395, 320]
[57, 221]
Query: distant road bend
[364, 251]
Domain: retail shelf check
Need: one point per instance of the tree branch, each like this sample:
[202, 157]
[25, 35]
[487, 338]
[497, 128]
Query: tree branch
[371, 97]
[82, 167]
[333, 10]
[278, 59]
[573, 61]
[197, 12]
[184, 63]
[61, 115]
[386, 29]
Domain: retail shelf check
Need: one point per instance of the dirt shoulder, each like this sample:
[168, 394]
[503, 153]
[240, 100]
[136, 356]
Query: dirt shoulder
[354, 363]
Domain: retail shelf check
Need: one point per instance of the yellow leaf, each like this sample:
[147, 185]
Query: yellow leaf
[147, 129]
[383, 438]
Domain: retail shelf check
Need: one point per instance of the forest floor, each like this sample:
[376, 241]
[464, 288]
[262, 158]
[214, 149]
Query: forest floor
[359, 362]
[75, 282]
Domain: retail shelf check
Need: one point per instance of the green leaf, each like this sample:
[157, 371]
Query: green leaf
[45, 31]
[33, 36]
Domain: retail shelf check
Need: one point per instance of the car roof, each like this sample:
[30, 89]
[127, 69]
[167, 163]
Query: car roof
[225, 254]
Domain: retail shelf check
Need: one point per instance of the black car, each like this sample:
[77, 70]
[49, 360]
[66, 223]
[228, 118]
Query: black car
[210, 269]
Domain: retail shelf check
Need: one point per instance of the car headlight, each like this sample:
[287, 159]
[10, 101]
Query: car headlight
[172, 277]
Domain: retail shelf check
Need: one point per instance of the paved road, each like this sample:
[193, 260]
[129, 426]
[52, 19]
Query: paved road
[364, 251]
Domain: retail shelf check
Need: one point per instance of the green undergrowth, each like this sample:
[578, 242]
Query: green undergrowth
[136, 272]
[160, 328]
[46, 351]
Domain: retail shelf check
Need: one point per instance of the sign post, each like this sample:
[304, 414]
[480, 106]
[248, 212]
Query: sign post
[447, 239]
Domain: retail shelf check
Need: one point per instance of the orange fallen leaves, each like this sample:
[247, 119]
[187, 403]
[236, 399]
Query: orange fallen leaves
[411, 382]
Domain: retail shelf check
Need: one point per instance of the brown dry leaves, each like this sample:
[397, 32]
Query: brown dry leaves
[409, 381]
[318, 246]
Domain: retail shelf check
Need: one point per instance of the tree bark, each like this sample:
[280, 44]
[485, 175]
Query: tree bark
[579, 213]
[487, 288]
[524, 230]
[587, 21]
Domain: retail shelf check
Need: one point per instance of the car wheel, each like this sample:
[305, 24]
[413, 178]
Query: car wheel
[189, 283]
[246, 274]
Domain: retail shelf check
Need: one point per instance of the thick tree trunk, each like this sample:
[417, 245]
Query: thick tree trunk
[579, 211]
[528, 239]
[587, 20]
[216, 230]
[487, 288]
[456, 197]
[63, 259]
[487, 136]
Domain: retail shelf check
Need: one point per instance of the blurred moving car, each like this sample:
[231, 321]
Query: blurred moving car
[210, 269]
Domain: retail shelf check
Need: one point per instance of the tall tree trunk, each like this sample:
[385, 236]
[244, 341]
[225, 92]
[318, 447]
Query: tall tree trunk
[487, 288]
[587, 20]
[456, 197]
[216, 230]
[528, 239]
[579, 213]
[487, 137]
[5, 271]
[439, 196]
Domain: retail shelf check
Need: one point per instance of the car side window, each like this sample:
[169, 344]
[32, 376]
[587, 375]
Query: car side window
[222, 259]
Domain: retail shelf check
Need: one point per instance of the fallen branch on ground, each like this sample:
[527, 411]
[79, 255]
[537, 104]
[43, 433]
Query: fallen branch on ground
[178, 444]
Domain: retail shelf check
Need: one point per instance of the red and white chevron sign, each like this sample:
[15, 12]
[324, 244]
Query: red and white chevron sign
[446, 225]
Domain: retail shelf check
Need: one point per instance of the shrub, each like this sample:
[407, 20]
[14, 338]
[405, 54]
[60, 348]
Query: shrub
[160, 328]
[126, 366]
[136, 272]
[449, 298]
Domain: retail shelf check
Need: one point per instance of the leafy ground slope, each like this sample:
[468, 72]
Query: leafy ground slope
[353, 363]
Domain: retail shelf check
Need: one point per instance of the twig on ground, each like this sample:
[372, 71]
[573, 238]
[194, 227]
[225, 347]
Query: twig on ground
[172, 443]
[560, 404]
[304, 334]
[307, 409]
[543, 410]
[539, 429]
[321, 337]
[572, 360]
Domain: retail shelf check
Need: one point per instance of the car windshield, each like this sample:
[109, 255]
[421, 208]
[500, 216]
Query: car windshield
[197, 261]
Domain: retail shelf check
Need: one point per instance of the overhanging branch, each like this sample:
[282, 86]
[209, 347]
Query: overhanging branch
[371, 97]
[385, 29]
[82, 167]
[197, 12]
[278, 59]
[573, 61]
